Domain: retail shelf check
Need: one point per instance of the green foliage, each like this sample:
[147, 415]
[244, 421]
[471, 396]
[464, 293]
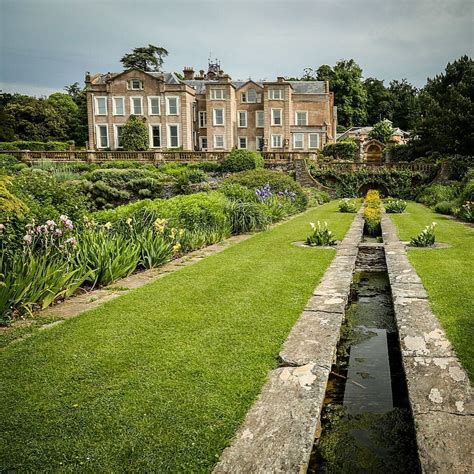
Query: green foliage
[148, 58]
[320, 236]
[468, 191]
[382, 131]
[241, 160]
[316, 197]
[237, 192]
[430, 195]
[395, 206]
[135, 134]
[426, 238]
[347, 205]
[446, 207]
[343, 150]
[400, 152]
[277, 181]
[247, 216]
[466, 212]
[350, 97]
[9, 164]
[35, 145]
[447, 110]
[379, 100]
[207, 166]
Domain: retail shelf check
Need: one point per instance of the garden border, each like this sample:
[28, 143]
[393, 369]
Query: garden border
[279, 430]
[438, 387]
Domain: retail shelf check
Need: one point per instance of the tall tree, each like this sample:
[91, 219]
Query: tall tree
[350, 96]
[379, 103]
[149, 58]
[404, 104]
[382, 131]
[447, 110]
[79, 130]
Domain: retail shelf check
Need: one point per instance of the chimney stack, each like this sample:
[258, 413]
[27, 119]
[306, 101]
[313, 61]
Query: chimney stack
[188, 73]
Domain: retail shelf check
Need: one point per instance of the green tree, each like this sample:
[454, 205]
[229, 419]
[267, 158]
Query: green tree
[350, 96]
[79, 129]
[135, 134]
[149, 58]
[447, 111]
[379, 101]
[404, 104]
[382, 131]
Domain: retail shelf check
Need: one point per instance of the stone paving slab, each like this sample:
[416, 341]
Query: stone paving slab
[313, 338]
[439, 390]
[278, 433]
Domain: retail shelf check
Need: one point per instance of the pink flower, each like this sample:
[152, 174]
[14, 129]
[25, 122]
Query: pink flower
[2, 228]
[71, 241]
[27, 238]
[58, 232]
[50, 223]
[68, 224]
[63, 217]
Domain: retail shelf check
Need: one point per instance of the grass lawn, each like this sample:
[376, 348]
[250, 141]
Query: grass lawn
[160, 378]
[448, 275]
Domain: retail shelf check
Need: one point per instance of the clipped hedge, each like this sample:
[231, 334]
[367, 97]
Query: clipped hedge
[241, 160]
[343, 150]
[36, 146]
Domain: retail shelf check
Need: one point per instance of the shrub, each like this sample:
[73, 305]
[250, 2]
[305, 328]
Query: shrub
[36, 146]
[135, 134]
[445, 207]
[372, 213]
[430, 195]
[395, 206]
[467, 193]
[316, 197]
[347, 205]
[190, 176]
[397, 153]
[278, 182]
[246, 216]
[121, 164]
[382, 131]
[320, 235]
[10, 164]
[426, 238]
[343, 150]
[241, 160]
[207, 166]
[120, 178]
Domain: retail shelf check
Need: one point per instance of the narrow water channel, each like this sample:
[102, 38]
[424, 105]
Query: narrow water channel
[366, 423]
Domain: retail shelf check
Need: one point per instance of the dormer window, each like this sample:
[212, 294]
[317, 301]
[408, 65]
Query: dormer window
[217, 94]
[251, 97]
[135, 85]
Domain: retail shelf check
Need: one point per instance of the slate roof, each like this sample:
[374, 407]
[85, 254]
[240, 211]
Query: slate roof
[170, 78]
[366, 130]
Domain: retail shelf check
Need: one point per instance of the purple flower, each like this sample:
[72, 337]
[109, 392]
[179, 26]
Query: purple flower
[51, 223]
[71, 241]
[263, 193]
[68, 224]
[58, 232]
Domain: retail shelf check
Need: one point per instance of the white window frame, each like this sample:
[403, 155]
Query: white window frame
[150, 109]
[156, 125]
[257, 122]
[246, 143]
[114, 105]
[202, 119]
[132, 107]
[214, 121]
[130, 85]
[242, 113]
[168, 105]
[273, 141]
[305, 120]
[257, 139]
[318, 141]
[116, 134]
[223, 142]
[96, 105]
[215, 96]
[275, 94]
[168, 143]
[294, 141]
[97, 131]
[273, 118]
[201, 144]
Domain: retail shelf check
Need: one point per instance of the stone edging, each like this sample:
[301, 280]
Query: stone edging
[279, 430]
[438, 387]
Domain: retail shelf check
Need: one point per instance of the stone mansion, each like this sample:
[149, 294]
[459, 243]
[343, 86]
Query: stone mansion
[210, 111]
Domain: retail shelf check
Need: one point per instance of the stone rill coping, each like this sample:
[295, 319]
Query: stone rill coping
[279, 430]
[438, 387]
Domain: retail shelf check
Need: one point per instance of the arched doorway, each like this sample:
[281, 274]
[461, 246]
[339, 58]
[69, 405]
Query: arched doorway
[362, 191]
[373, 152]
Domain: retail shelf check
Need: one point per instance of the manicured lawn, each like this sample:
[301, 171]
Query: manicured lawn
[447, 274]
[160, 378]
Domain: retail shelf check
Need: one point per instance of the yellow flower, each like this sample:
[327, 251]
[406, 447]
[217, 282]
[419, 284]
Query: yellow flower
[181, 232]
[173, 233]
[108, 225]
[129, 221]
[176, 247]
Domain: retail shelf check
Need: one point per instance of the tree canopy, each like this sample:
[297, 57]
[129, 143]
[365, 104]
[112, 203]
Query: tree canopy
[135, 134]
[148, 58]
[382, 131]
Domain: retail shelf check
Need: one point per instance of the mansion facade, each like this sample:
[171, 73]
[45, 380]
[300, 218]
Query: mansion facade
[210, 112]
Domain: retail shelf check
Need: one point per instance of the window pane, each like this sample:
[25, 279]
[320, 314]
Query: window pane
[251, 95]
[156, 136]
[137, 105]
[174, 140]
[276, 114]
[242, 119]
[103, 141]
[219, 141]
[155, 106]
[242, 142]
[119, 136]
[172, 106]
[118, 101]
[219, 116]
[202, 119]
[298, 140]
[259, 119]
[313, 140]
[101, 105]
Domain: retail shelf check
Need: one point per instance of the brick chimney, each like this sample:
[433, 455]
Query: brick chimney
[280, 79]
[188, 73]
[326, 87]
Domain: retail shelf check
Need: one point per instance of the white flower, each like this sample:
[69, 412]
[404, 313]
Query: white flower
[312, 225]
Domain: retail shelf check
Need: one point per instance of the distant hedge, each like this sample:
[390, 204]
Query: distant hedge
[343, 150]
[35, 146]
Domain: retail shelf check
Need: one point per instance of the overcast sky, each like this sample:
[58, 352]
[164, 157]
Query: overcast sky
[46, 44]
